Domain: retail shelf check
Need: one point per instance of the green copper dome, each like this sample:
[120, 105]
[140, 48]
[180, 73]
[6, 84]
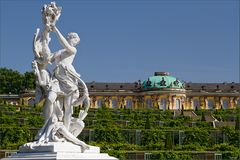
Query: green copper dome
[162, 80]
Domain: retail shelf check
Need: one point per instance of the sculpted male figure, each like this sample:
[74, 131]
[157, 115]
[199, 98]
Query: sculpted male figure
[42, 59]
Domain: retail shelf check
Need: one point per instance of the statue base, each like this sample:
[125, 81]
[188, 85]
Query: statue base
[33, 147]
[58, 151]
[60, 156]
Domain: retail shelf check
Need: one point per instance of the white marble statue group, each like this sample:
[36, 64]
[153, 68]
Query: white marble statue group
[62, 88]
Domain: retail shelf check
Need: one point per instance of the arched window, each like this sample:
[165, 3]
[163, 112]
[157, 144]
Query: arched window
[225, 104]
[210, 103]
[99, 103]
[178, 103]
[149, 103]
[163, 104]
[114, 103]
[196, 104]
[129, 103]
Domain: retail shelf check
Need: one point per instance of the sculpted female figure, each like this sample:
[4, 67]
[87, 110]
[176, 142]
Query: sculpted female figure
[65, 78]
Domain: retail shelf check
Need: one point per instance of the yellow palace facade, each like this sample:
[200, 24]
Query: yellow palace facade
[160, 91]
[163, 91]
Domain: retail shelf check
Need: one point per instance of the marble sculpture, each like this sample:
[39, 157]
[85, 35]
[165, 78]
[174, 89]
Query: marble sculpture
[61, 89]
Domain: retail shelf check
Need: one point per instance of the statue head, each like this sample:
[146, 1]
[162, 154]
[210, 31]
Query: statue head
[73, 38]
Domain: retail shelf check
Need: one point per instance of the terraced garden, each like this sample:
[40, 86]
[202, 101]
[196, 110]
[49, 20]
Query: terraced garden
[138, 134]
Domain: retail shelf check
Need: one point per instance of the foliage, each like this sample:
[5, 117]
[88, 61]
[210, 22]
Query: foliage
[13, 82]
[231, 155]
[35, 121]
[173, 155]
[169, 142]
[116, 146]
[196, 136]
[233, 135]
[121, 155]
[203, 117]
[162, 140]
[106, 130]
[110, 135]
[29, 80]
[6, 120]
[203, 124]
[237, 122]
[12, 137]
[222, 147]
[152, 137]
[147, 123]
[190, 147]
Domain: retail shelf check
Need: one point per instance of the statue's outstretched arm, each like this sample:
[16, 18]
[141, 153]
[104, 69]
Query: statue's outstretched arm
[64, 42]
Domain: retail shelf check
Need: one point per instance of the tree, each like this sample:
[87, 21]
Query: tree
[11, 81]
[147, 124]
[29, 80]
[182, 110]
[196, 108]
[237, 123]
[168, 141]
[14, 82]
[203, 117]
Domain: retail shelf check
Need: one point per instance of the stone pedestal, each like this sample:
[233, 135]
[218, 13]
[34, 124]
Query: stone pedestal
[58, 151]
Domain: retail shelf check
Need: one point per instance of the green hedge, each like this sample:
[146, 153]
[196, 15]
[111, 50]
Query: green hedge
[18, 127]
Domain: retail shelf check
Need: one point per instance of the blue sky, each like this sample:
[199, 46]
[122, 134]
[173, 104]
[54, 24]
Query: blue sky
[124, 41]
